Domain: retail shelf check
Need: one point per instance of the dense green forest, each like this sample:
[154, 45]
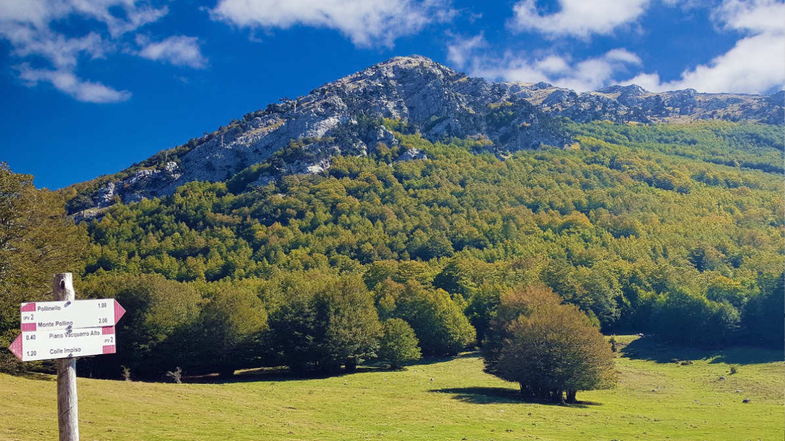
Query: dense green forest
[675, 230]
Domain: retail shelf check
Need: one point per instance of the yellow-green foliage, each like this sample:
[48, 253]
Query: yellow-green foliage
[638, 216]
[37, 240]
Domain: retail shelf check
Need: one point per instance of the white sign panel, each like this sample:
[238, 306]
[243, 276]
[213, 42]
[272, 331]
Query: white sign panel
[46, 345]
[52, 316]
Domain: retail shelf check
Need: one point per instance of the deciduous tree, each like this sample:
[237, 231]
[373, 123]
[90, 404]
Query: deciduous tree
[549, 348]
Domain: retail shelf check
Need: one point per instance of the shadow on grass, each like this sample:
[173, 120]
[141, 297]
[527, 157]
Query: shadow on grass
[275, 374]
[746, 355]
[497, 395]
[39, 376]
[282, 373]
[472, 354]
[425, 361]
[651, 349]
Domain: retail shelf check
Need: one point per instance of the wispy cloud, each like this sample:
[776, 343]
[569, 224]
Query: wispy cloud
[755, 64]
[178, 50]
[577, 18]
[582, 75]
[68, 83]
[28, 26]
[62, 52]
[461, 50]
[366, 23]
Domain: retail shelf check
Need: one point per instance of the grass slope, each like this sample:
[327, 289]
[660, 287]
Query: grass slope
[449, 399]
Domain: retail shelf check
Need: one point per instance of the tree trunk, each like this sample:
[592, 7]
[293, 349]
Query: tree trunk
[351, 365]
[571, 396]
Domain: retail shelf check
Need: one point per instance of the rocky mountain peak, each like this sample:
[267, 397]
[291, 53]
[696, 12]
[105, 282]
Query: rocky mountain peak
[342, 118]
[631, 90]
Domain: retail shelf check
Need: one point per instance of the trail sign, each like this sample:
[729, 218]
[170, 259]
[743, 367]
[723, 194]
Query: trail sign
[50, 316]
[67, 329]
[80, 342]
[63, 330]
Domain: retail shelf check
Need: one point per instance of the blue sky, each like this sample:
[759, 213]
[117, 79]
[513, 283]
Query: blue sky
[89, 87]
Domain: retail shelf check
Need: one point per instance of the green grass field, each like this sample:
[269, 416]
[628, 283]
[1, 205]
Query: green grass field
[450, 399]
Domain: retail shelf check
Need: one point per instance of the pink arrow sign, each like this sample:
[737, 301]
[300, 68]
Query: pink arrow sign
[119, 312]
[16, 347]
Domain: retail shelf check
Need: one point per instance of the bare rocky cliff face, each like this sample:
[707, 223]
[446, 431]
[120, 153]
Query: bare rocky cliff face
[431, 98]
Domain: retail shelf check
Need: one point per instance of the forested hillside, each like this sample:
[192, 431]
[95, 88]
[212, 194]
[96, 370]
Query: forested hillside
[675, 230]
[672, 229]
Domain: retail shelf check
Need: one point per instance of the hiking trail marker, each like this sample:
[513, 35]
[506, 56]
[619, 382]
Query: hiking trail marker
[63, 330]
[67, 329]
[47, 345]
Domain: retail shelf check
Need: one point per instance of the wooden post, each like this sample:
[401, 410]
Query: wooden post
[67, 404]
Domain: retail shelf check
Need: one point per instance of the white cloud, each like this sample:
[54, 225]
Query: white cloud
[38, 14]
[67, 82]
[552, 65]
[623, 55]
[30, 28]
[62, 52]
[178, 50]
[583, 75]
[365, 22]
[578, 18]
[462, 49]
[755, 64]
[649, 82]
[759, 16]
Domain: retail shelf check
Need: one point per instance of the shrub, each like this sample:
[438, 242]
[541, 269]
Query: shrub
[439, 322]
[684, 317]
[398, 343]
[176, 375]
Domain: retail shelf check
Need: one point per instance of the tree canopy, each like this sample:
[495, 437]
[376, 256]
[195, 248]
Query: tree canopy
[674, 230]
[547, 347]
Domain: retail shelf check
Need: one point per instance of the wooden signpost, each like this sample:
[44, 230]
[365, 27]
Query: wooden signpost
[63, 330]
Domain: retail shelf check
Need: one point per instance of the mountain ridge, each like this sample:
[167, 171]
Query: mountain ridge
[430, 98]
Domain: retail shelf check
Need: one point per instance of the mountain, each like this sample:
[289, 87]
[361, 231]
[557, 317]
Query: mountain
[342, 118]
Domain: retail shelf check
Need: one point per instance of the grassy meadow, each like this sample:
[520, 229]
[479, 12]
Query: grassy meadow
[451, 399]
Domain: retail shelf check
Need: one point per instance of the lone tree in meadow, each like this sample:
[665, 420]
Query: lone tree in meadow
[398, 343]
[547, 347]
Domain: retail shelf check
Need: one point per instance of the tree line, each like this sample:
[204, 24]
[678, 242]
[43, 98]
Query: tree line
[639, 228]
